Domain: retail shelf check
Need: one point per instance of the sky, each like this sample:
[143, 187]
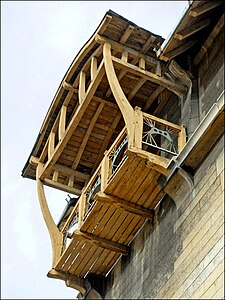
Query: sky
[39, 40]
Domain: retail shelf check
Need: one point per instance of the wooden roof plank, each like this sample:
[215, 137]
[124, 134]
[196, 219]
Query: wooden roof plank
[188, 31]
[197, 11]
[86, 137]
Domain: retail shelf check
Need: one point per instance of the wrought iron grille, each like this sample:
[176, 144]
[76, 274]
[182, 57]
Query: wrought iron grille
[117, 156]
[95, 188]
[161, 138]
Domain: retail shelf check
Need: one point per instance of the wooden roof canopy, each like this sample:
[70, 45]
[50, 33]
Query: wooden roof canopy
[102, 120]
[141, 76]
[198, 20]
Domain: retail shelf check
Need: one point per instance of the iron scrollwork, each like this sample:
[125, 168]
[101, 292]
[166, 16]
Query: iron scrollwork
[118, 155]
[158, 138]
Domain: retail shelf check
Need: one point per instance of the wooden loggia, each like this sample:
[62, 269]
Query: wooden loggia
[102, 147]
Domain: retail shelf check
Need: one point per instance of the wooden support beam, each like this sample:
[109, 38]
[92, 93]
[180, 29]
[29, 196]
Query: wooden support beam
[74, 122]
[153, 161]
[69, 171]
[153, 96]
[82, 82]
[94, 67]
[55, 176]
[138, 54]
[177, 51]
[208, 5]
[120, 48]
[86, 137]
[138, 127]
[62, 187]
[209, 40]
[183, 34]
[71, 88]
[148, 44]
[136, 88]
[107, 139]
[124, 55]
[71, 181]
[126, 34]
[73, 281]
[62, 122]
[55, 235]
[125, 205]
[124, 105]
[142, 63]
[51, 144]
[149, 76]
[101, 242]
[67, 86]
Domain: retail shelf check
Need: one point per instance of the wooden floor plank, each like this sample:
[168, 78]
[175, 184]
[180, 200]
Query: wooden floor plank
[81, 261]
[110, 223]
[132, 180]
[134, 232]
[124, 182]
[148, 191]
[105, 222]
[133, 189]
[66, 254]
[92, 217]
[144, 185]
[111, 264]
[118, 175]
[92, 255]
[73, 255]
[157, 199]
[127, 221]
[121, 215]
[101, 260]
[129, 230]
[103, 266]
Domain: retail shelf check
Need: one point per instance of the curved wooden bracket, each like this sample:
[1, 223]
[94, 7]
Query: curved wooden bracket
[55, 235]
[124, 105]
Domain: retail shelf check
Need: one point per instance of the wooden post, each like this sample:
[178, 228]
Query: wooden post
[124, 56]
[82, 208]
[104, 171]
[81, 92]
[93, 67]
[181, 138]
[138, 127]
[71, 181]
[62, 122]
[142, 63]
[51, 144]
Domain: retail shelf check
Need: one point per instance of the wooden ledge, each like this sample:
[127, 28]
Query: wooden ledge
[101, 242]
[125, 205]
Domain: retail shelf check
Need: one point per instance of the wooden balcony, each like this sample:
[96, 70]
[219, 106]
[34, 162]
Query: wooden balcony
[120, 196]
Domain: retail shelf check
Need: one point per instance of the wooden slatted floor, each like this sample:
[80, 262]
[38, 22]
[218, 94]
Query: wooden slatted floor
[133, 181]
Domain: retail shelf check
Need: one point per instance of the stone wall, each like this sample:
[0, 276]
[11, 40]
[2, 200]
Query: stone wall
[180, 254]
[211, 74]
